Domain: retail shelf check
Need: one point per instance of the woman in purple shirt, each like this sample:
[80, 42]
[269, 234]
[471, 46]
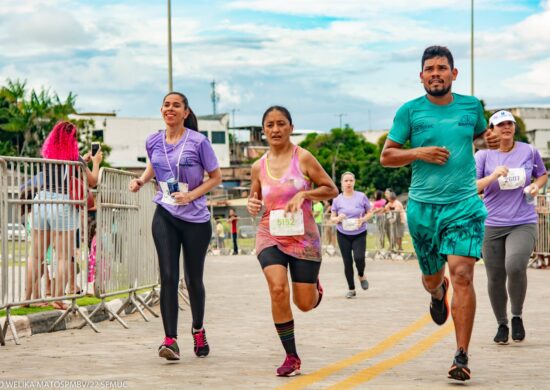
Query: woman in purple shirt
[506, 178]
[350, 210]
[178, 157]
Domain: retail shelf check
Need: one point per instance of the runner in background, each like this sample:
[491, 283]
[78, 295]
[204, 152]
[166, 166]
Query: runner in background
[287, 238]
[350, 210]
[510, 179]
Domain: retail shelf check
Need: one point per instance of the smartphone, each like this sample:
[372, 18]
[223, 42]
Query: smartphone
[95, 148]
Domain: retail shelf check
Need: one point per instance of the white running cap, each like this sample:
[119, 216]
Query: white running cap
[501, 116]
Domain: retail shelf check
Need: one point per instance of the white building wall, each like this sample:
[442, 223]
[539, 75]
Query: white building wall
[126, 137]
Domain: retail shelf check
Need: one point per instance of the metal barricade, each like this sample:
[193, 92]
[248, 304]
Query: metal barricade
[3, 248]
[43, 250]
[126, 261]
[329, 244]
[541, 254]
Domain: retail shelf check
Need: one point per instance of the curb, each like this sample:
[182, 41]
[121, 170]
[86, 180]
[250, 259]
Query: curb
[37, 323]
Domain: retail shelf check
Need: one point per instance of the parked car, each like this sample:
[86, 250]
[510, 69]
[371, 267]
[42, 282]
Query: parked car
[16, 231]
[247, 231]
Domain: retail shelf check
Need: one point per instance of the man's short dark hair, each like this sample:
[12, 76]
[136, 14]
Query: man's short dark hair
[437, 51]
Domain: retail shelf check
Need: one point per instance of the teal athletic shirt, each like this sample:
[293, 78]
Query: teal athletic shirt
[452, 126]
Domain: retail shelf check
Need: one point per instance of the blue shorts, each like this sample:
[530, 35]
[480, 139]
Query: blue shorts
[56, 217]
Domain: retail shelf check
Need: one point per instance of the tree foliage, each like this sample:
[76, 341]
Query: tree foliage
[26, 119]
[344, 150]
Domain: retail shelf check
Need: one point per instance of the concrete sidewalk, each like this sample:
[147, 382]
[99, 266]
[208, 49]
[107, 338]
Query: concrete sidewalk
[381, 339]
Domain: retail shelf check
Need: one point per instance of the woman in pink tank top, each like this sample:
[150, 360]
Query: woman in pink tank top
[287, 236]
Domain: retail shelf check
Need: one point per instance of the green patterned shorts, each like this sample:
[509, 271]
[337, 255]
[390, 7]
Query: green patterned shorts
[438, 230]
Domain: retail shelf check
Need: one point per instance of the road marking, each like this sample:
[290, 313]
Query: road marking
[306, 380]
[413, 352]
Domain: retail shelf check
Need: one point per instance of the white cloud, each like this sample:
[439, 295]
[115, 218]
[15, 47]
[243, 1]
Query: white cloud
[359, 9]
[535, 82]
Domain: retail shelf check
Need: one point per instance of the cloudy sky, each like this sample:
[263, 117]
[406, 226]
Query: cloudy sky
[319, 58]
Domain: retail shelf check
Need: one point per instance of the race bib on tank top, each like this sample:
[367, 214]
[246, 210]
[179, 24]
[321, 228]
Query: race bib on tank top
[286, 224]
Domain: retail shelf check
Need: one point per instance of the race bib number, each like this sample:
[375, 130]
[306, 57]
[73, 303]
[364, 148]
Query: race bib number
[350, 224]
[286, 224]
[167, 198]
[515, 179]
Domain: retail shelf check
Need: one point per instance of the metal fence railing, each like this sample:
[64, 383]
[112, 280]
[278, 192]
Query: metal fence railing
[43, 204]
[125, 257]
[541, 254]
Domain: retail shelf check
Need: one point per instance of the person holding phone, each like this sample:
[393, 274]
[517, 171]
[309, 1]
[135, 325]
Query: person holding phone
[287, 236]
[178, 158]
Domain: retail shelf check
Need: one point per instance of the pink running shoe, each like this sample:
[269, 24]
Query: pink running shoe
[169, 349]
[290, 367]
[201, 347]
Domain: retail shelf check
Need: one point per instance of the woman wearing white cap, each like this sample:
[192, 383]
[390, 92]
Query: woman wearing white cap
[510, 178]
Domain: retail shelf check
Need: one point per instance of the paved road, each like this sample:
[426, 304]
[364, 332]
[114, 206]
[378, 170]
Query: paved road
[381, 340]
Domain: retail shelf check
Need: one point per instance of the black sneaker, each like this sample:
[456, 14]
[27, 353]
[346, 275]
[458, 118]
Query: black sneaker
[518, 331]
[439, 309]
[459, 370]
[201, 347]
[502, 335]
[169, 349]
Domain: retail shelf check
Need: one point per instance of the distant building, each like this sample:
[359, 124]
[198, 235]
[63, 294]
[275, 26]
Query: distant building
[126, 137]
[373, 135]
[537, 126]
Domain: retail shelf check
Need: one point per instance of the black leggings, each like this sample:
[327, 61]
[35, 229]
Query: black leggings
[171, 235]
[357, 244]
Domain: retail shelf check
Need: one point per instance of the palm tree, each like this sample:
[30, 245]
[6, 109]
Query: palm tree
[28, 122]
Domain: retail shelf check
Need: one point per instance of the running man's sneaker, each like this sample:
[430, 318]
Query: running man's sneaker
[502, 335]
[439, 309]
[518, 331]
[320, 291]
[351, 294]
[201, 347]
[364, 284]
[459, 370]
[169, 349]
[290, 367]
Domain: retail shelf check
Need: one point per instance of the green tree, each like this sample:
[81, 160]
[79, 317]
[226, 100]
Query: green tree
[344, 150]
[27, 119]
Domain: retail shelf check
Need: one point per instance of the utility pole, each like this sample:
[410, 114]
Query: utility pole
[214, 96]
[170, 82]
[334, 160]
[340, 116]
[472, 48]
[233, 110]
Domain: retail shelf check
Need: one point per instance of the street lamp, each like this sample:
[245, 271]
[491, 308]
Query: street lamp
[170, 83]
[341, 115]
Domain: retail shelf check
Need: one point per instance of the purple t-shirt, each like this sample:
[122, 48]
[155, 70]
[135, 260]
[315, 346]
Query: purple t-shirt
[355, 206]
[509, 207]
[197, 157]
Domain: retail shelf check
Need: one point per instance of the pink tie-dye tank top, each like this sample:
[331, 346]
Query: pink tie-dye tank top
[276, 193]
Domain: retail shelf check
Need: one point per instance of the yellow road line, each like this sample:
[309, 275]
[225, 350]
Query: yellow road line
[413, 352]
[306, 380]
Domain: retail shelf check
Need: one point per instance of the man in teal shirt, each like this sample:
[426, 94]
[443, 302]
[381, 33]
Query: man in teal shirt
[445, 215]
